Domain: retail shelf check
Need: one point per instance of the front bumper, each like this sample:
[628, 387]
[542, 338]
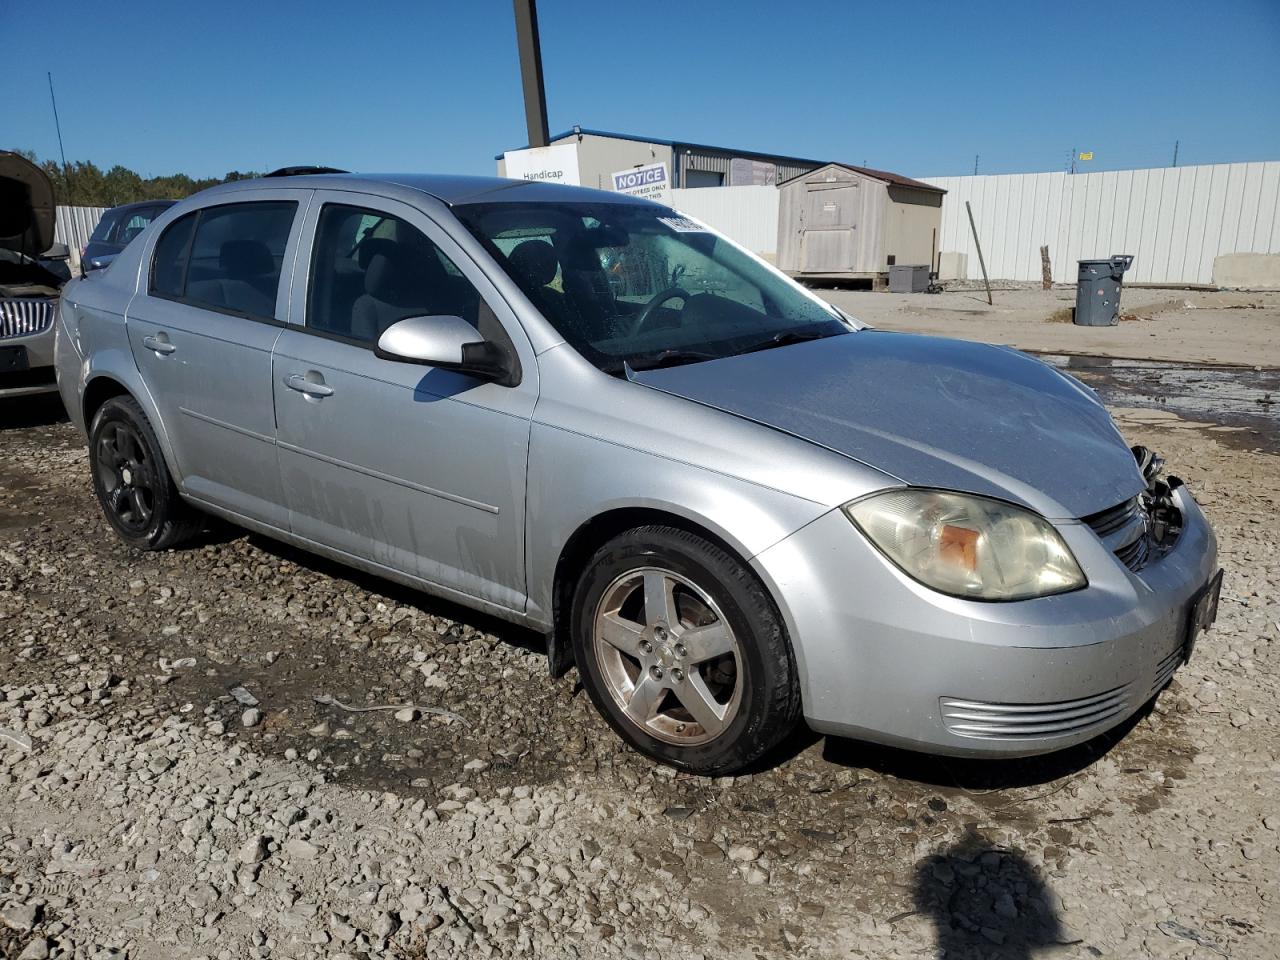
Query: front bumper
[883, 658]
[39, 375]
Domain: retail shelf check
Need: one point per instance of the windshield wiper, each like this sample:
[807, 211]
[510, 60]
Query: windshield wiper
[784, 339]
[669, 358]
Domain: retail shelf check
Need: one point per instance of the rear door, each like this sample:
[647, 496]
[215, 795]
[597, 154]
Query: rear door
[202, 327]
[415, 469]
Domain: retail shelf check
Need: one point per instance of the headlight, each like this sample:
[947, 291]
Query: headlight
[968, 546]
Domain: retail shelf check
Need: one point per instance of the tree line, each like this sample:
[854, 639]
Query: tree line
[84, 184]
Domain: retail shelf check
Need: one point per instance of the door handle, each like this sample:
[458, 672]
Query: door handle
[311, 388]
[160, 344]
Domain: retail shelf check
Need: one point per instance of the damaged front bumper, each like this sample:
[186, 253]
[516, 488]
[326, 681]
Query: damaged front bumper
[885, 659]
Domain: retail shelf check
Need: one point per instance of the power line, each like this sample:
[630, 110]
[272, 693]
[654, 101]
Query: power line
[56, 124]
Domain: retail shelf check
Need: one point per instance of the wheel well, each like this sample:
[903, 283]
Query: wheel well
[98, 392]
[584, 542]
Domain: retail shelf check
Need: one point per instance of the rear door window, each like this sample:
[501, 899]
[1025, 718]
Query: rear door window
[233, 261]
[135, 222]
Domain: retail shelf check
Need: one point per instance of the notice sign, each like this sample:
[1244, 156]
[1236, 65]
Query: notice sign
[555, 164]
[650, 182]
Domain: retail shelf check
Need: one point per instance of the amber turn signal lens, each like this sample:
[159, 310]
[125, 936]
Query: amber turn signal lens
[959, 545]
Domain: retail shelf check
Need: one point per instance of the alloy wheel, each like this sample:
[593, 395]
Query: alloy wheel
[668, 657]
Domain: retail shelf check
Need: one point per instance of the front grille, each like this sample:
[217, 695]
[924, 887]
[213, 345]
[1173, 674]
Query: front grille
[1136, 553]
[1032, 721]
[1109, 521]
[25, 316]
[1126, 530]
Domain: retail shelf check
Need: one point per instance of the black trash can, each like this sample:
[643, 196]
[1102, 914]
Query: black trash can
[1098, 290]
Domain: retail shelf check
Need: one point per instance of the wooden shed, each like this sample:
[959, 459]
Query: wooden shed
[840, 222]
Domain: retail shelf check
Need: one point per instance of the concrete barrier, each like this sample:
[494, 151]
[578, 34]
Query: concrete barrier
[1247, 271]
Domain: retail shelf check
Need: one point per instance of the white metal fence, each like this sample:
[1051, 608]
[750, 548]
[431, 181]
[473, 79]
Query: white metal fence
[1174, 220]
[74, 225]
[747, 214]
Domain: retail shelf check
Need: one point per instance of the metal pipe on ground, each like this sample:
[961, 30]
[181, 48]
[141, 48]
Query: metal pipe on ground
[985, 279]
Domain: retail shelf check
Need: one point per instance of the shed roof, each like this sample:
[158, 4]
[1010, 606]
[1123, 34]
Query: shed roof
[894, 178]
[883, 175]
[675, 144]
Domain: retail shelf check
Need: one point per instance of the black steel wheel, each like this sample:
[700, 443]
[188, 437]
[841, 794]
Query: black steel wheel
[132, 482]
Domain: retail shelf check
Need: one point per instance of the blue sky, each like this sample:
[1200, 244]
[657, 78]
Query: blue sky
[918, 88]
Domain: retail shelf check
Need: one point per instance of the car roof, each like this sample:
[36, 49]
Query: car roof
[448, 188]
[136, 204]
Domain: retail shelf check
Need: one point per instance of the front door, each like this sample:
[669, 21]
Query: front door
[416, 469]
[201, 329]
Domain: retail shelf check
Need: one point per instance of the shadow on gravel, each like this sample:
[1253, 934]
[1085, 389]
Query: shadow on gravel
[969, 774]
[985, 902]
[21, 413]
[405, 596]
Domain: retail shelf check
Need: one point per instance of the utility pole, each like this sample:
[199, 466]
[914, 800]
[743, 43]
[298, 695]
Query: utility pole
[1073, 159]
[1175, 152]
[535, 96]
[57, 125]
[975, 164]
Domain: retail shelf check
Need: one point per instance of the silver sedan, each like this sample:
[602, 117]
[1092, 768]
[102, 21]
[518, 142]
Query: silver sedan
[727, 504]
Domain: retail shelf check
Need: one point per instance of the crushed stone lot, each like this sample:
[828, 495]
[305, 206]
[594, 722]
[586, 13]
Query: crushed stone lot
[1224, 327]
[148, 811]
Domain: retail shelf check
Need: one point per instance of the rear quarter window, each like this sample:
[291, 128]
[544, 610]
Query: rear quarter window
[169, 262]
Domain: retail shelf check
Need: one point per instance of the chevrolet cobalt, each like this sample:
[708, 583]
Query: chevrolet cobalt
[726, 503]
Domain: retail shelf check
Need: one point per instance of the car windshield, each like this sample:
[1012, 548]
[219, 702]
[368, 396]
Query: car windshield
[639, 284]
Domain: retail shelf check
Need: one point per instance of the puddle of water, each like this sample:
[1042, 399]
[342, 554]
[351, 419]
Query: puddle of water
[1230, 396]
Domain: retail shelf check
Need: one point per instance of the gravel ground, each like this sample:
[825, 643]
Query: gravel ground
[150, 809]
[1187, 326]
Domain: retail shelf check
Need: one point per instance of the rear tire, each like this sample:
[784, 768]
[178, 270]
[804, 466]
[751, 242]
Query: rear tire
[682, 650]
[132, 481]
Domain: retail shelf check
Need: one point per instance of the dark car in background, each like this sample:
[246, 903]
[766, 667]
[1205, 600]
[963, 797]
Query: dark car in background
[117, 227]
[32, 272]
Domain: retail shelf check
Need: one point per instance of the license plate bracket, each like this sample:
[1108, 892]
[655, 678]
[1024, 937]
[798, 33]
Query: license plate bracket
[14, 359]
[1204, 611]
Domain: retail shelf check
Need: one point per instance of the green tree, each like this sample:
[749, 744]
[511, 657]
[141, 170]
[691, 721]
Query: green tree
[83, 184]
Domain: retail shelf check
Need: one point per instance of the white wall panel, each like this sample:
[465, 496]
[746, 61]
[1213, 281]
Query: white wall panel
[72, 226]
[1174, 221]
[747, 214]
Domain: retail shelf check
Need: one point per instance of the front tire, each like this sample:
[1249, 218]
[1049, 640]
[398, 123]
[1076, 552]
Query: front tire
[132, 481]
[682, 650]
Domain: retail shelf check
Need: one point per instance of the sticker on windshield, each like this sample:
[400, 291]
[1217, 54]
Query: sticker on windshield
[683, 225]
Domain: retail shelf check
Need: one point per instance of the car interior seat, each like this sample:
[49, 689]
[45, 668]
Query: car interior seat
[248, 282]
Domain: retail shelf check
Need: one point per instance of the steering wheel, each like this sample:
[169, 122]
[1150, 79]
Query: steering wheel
[656, 301]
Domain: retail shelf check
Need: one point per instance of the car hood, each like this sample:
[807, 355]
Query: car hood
[26, 206]
[930, 412]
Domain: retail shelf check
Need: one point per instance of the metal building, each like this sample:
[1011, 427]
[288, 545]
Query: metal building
[601, 154]
[840, 222]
